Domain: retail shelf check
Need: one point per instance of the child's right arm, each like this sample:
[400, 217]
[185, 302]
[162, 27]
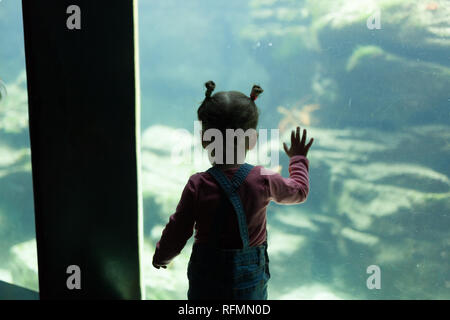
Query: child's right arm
[178, 230]
[295, 188]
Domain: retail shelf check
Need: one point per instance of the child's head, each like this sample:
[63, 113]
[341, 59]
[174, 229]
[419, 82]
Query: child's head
[229, 110]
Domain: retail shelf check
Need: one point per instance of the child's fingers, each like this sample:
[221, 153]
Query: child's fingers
[297, 134]
[292, 138]
[303, 137]
[158, 266]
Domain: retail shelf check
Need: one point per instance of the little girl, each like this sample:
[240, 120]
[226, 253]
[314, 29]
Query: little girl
[226, 205]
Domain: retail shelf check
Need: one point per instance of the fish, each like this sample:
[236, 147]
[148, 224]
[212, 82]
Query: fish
[294, 116]
[432, 6]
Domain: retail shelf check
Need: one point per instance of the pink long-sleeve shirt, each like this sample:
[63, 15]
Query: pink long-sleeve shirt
[202, 196]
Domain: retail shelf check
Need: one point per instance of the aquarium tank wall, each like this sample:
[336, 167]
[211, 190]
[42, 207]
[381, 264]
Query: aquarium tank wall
[18, 257]
[370, 82]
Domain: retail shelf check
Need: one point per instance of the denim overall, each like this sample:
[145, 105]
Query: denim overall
[231, 274]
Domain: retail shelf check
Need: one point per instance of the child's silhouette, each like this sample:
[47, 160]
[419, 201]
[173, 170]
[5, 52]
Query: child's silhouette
[226, 206]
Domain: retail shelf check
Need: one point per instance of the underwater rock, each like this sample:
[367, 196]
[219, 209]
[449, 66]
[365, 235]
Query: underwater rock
[373, 200]
[275, 19]
[16, 208]
[363, 183]
[16, 213]
[168, 160]
[14, 160]
[14, 108]
[313, 292]
[18, 258]
[371, 93]
[394, 76]
[278, 38]
[407, 28]
[172, 282]
[23, 265]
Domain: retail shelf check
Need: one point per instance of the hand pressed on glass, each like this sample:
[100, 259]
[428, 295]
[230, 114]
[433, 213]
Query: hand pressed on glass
[298, 147]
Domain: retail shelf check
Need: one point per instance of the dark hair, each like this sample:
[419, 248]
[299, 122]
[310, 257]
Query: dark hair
[229, 109]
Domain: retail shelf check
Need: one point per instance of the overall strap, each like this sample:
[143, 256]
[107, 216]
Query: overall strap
[230, 189]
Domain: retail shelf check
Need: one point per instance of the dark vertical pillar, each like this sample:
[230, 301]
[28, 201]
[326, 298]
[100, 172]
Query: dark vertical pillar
[82, 108]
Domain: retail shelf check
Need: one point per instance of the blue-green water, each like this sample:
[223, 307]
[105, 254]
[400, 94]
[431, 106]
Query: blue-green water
[18, 259]
[376, 101]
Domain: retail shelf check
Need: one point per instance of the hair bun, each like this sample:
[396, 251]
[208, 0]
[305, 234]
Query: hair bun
[256, 91]
[210, 86]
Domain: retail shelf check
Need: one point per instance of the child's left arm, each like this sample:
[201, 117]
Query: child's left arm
[178, 230]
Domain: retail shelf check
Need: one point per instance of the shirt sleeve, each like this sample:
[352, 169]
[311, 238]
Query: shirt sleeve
[293, 189]
[179, 228]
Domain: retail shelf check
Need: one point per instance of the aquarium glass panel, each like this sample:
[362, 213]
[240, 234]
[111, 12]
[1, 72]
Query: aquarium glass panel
[368, 79]
[18, 257]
